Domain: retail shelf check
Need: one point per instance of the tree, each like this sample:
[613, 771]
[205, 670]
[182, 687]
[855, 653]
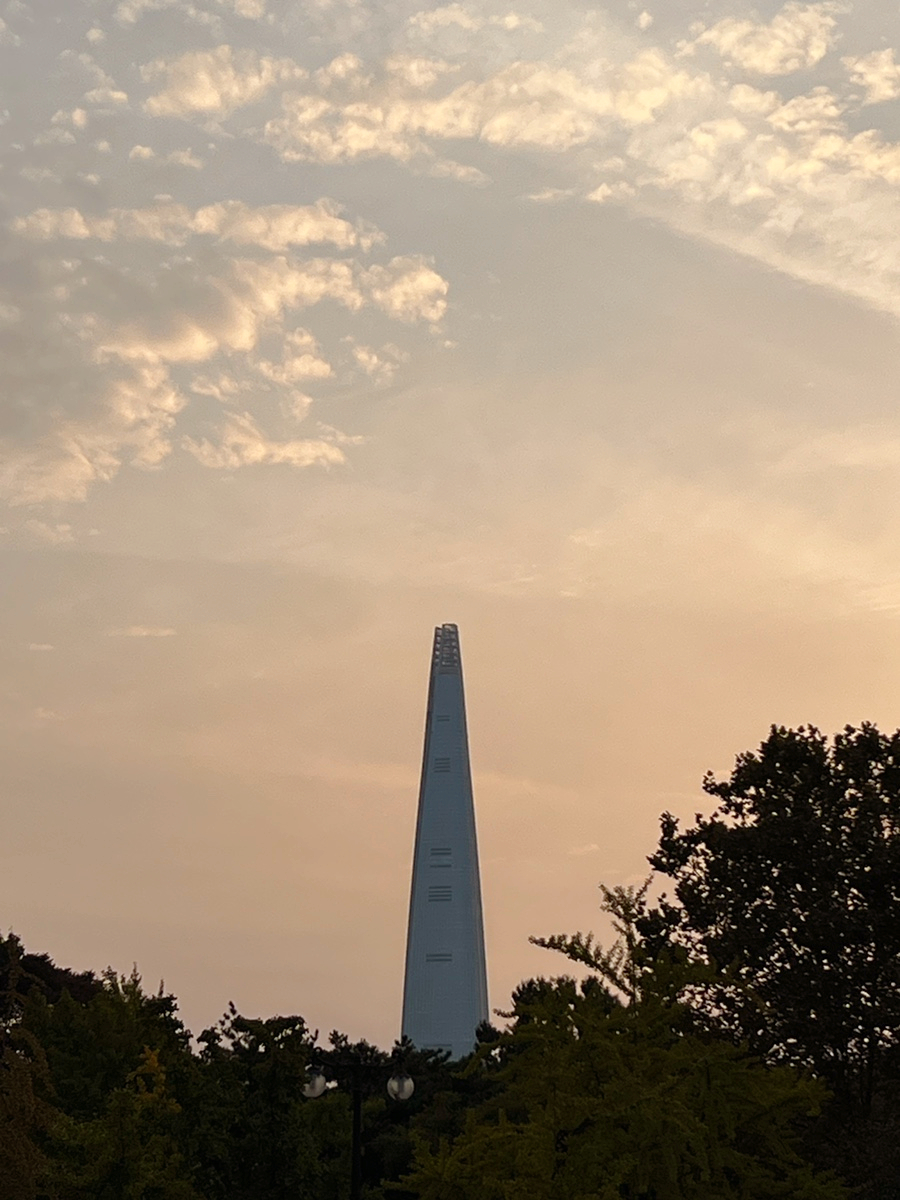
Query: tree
[131, 1151]
[607, 1092]
[257, 1140]
[24, 1112]
[116, 1062]
[792, 888]
[21, 972]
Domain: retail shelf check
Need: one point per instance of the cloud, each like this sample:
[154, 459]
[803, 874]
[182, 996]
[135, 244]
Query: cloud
[106, 96]
[879, 74]
[439, 18]
[142, 631]
[40, 646]
[54, 534]
[380, 367]
[419, 73]
[7, 37]
[109, 334]
[128, 12]
[551, 195]
[465, 18]
[525, 104]
[185, 158]
[796, 38]
[124, 416]
[302, 360]
[408, 289]
[270, 227]
[240, 444]
[46, 714]
[215, 82]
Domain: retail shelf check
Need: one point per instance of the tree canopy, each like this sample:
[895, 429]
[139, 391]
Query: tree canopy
[606, 1091]
[790, 891]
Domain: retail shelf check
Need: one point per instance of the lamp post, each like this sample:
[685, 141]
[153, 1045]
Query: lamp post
[346, 1064]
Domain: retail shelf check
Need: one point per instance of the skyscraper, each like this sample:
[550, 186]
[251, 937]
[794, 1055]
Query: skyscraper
[445, 991]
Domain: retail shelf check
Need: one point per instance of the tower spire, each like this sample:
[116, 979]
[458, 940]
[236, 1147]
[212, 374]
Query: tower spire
[445, 990]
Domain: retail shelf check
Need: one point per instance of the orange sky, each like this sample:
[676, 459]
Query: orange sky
[576, 327]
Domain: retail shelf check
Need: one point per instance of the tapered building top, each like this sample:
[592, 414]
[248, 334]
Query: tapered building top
[445, 992]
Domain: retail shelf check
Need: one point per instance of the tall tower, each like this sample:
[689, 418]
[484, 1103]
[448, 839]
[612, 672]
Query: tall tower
[445, 992]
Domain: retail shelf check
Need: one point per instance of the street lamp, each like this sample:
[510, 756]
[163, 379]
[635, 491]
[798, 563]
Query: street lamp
[315, 1084]
[400, 1087]
[351, 1068]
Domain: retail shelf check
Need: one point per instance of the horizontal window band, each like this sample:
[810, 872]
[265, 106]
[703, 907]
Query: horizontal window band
[439, 958]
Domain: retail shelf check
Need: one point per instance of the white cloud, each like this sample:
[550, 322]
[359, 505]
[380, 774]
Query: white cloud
[379, 366]
[461, 17]
[797, 37]
[419, 73]
[525, 104]
[295, 369]
[142, 631]
[878, 73]
[95, 421]
[270, 227]
[46, 714]
[252, 10]
[221, 387]
[40, 646]
[241, 444]
[185, 158]
[106, 96]
[552, 195]
[215, 82]
[644, 20]
[449, 14]
[110, 336]
[54, 534]
[408, 288]
[76, 117]
[7, 37]
[446, 168]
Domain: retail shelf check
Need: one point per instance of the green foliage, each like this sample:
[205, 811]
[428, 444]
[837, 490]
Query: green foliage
[256, 1138]
[23, 1114]
[793, 886]
[93, 1048]
[130, 1151]
[613, 1097]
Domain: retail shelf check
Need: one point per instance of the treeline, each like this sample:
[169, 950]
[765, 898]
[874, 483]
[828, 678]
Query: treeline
[741, 1039]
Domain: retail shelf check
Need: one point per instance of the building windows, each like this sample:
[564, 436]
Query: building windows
[442, 766]
[439, 957]
[440, 893]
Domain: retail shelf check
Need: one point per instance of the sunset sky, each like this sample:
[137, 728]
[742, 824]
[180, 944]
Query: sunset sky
[324, 323]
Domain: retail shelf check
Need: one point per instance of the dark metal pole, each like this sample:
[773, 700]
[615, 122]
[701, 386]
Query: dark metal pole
[356, 1146]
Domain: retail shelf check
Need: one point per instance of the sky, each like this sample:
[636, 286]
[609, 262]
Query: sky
[323, 323]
